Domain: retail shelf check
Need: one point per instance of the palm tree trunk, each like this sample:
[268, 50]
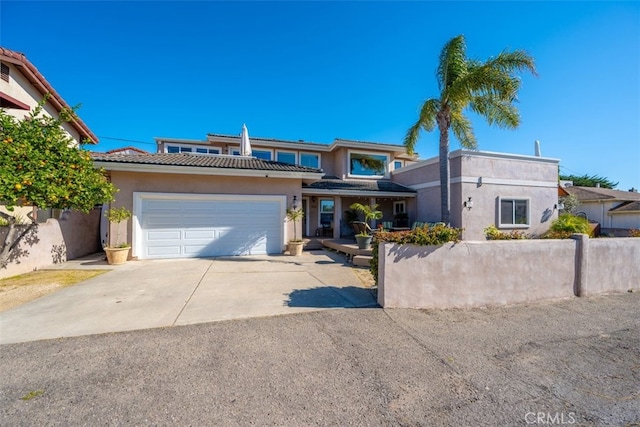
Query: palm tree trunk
[445, 204]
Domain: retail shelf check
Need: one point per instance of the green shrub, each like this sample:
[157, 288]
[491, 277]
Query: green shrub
[570, 223]
[492, 233]
[421, 236]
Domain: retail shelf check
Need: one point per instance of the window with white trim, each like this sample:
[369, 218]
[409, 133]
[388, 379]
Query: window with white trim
[310, 160]
[286, 157]
[397, 164]
[326, 212]
[514, 212]
[399, 207]
[184, 148]
[367, 164]
[262, 154]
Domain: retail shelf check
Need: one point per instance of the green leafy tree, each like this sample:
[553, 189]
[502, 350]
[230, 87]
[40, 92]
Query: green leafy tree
[41, 166]
[589, 181]
[487, 88]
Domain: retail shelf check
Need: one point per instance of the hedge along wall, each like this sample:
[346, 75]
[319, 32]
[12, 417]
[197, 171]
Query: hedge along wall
[474, 274]
[72, 236]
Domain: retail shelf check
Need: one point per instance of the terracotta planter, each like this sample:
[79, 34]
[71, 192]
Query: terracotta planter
[295, 248]
[117, 256]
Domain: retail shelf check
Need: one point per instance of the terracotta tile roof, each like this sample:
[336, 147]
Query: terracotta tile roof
[332, 183]
[204, 161]
[595, 193]
[31, 73]
[123, 150]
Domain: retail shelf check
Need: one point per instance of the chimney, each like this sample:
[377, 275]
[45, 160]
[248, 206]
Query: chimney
[537, 149]
[597, 185]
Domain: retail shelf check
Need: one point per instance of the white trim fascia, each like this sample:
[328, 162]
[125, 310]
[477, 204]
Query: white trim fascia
[510, 156]
[412, 166]
[321, 192]
[361, 145]
[258, 142]
[487, 181]
[196, 170]
[180, 141]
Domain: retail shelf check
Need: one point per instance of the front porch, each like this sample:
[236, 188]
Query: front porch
[358, 257]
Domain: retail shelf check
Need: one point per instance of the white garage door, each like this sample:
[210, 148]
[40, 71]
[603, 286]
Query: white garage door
[189, 226]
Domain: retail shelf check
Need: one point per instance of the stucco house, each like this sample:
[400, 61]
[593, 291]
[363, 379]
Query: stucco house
[616, 211]
[22, 87]
[202, 198]
[512, 192]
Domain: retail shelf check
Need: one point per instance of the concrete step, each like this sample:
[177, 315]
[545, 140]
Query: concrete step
[362, 260]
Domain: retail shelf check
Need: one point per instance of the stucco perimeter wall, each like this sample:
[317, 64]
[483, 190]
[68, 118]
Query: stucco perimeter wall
[475, 274]
[72, 236]
[613, 265]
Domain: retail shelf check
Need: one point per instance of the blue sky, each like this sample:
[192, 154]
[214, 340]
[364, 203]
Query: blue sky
[320, 70]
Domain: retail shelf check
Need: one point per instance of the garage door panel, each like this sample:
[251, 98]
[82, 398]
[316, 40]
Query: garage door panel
[213, 226]
[163, 235]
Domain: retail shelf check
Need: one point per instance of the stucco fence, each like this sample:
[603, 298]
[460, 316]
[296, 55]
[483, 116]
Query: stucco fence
[72, 236]
[475, 274]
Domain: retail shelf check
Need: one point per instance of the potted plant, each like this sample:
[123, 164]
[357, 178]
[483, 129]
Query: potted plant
[370, 213]
[117, 253]
[295, 245]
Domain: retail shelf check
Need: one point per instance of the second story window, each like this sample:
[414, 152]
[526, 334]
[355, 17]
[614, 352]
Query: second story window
[310, 160]
[368, 164]
[180, 148]
[286, 157]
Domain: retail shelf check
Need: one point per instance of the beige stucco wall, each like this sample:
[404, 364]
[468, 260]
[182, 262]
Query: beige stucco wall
[72, 236]
[473, 274]
[130, 182]
[485, 177]
[613, 265]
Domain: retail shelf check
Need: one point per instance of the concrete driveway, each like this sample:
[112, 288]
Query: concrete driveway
[161, 293]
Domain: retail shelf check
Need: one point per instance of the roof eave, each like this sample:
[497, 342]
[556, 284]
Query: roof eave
[198, 170]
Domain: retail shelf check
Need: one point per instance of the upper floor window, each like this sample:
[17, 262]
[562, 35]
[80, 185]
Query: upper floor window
[310, 160]
[397, 164]
[261, 154]
[368, 164]
[181, 148]
[514, 212]
[4, 72]
[286, 157]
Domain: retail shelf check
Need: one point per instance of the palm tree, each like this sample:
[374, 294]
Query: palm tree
[487, 88]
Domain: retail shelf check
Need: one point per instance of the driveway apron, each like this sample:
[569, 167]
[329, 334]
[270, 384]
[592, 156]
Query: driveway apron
[163, 293]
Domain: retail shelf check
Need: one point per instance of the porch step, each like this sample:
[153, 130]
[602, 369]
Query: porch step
[361, 260]
[312, 244]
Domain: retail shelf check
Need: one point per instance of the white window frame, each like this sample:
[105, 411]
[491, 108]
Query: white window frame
[514, 199]
[398, 161]
[310, 154]
[320, 211]
[370, 153]
[295, 156]
[397, 204]
[193, 148]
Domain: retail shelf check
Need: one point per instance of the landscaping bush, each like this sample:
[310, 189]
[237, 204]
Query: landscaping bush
[421, 236]
[566, 225]
[492, 233]
[634, 233]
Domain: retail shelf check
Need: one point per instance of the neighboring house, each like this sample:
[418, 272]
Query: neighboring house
[127, 150]
[616, 211]
[201, 198]
[512, 192]
[22, 87]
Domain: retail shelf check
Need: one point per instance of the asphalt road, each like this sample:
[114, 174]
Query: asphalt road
[571, 362]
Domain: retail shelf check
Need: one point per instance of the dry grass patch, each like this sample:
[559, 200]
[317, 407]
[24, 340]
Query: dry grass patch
[18, 290]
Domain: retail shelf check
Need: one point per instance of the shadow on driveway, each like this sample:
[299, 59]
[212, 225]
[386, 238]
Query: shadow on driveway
[332, 297]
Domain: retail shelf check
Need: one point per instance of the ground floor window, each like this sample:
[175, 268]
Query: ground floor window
[399, 207]
[326, 213]
[514, 212]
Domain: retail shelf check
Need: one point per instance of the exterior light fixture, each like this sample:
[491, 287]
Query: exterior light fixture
[295, 202]
[468, 204]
